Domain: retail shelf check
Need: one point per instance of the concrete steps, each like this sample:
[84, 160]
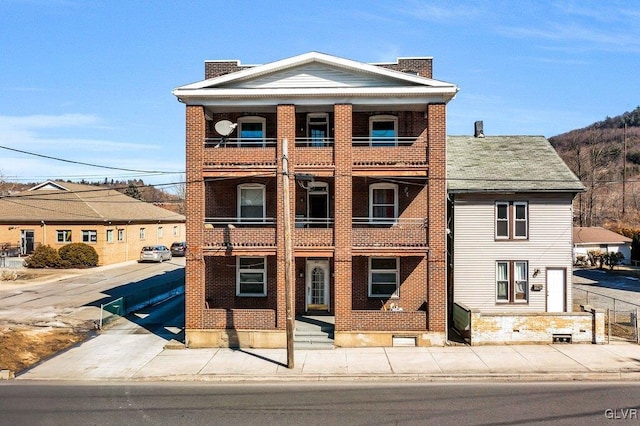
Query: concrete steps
[313, 333]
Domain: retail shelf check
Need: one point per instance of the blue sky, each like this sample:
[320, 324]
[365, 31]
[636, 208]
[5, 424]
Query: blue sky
[91, 81]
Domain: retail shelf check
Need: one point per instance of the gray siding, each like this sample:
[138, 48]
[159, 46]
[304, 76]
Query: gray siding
[476, 250]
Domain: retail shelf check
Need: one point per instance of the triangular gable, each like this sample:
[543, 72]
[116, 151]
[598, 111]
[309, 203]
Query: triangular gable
[48, 186]
[317, 70]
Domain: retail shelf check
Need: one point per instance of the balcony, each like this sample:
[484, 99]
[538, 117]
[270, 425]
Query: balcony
[376, 236]
[221, 237]
[230, 154]
[398, 155]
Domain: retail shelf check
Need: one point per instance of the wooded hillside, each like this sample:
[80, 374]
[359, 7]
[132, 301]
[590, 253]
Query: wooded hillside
[606, 158]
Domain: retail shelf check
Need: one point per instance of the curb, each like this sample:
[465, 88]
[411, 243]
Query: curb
[7, 375]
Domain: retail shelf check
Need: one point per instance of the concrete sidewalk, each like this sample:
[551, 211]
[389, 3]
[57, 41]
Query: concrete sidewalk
[107, 357]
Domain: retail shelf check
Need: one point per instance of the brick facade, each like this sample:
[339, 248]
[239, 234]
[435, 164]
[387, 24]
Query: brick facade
[332, 226]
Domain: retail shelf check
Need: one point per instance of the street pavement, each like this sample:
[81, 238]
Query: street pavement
[130, 352]
[143, 348]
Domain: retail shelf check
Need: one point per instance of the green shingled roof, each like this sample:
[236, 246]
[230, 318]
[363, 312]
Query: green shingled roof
[507, 164]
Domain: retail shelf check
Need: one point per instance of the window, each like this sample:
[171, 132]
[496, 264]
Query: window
[251, 276]
[502, 220]
[318, 129]
[383, 130]
[251, 131]
[512, 220]
[251, 202]
[383, 277]
[120, 234]
[383, 203]
[520, 222]
[89, 236]
[63, 236]
[175, 231]
[160, 232]
[109, 235]
[512, 281]
[142, 233]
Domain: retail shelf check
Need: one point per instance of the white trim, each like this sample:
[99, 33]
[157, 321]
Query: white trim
[263, 271]
[526, 220]
[383, 185]
[495, 221]
[306, 58]
[310, 265]
[252, 119]
[383, 118]
[239, 200]
[396, 271]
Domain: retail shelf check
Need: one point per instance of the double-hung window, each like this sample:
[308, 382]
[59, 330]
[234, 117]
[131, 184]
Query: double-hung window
[512, 281]
[109, 235]
[251, 202]
[251, 131]
[63, 236]
[89, 236]
[383, 130]
[318, 128]
[383, 203]
[251, 276]
[383, 277]
[512, 220]
[120, 234]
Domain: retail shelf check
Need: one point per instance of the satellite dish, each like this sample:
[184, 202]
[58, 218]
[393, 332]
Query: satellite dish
[225, 127]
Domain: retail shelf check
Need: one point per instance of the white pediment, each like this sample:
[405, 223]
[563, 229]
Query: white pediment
[48, 186]
[315, 75]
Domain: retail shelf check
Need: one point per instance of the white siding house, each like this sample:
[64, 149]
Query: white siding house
[511, 224]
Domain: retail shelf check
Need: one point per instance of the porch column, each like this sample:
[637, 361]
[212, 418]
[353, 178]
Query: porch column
[437, 256]
[286, 118]
[194, 208]
[343, 216]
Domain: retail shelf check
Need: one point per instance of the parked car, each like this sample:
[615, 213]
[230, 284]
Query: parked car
[154, 254]
[179, 249]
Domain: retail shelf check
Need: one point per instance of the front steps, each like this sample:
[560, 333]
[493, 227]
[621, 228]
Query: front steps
[313, 332]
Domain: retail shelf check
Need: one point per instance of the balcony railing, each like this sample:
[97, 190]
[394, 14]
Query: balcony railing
[225, 221]
[313, 222]
[400, 222]
[314, 142]
[239, 143]
[384, 142]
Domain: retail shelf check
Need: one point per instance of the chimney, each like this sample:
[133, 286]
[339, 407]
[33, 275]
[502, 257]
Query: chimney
[478, 131]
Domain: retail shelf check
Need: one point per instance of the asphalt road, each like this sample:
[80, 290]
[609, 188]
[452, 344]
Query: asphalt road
[602, 288]
[319, 403]
[75, 301]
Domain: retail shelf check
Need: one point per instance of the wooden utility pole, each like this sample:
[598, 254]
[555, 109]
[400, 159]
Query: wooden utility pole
[624, 168]
[288, 253]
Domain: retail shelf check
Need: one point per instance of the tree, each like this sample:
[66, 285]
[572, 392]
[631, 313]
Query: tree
[134, 192]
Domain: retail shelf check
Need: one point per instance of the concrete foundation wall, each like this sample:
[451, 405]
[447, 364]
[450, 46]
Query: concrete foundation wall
[486, 328]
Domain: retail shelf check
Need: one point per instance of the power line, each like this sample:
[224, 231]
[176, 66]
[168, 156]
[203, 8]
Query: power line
[89, 164]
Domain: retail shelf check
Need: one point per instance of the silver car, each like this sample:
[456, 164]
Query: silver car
[154, 254]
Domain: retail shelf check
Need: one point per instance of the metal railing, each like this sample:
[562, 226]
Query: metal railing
[239, 142]
[314, 142]
[239, 221]
[408, 222]
[383, 142]
[126, 304]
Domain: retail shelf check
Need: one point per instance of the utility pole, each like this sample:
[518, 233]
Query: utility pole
[624, 168]
[288, 253]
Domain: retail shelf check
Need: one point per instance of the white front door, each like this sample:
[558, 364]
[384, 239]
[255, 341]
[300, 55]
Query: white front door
[556, 290]
[317, 285]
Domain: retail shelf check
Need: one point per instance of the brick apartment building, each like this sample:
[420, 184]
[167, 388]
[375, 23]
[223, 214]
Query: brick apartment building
[364, 150]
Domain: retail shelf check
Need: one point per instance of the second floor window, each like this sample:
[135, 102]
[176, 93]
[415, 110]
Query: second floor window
[143, 233]
[251, 203]
[317, 129]
[120, 234]
[383, 130]
[109, 235]
[512, 220]
[383, 202]
[251, 131]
